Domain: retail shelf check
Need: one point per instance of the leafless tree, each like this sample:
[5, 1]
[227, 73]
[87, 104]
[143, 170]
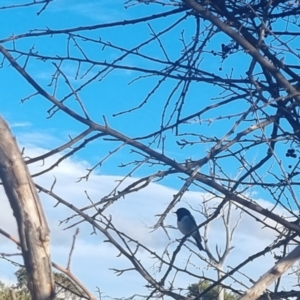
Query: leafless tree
[218, 260]
[211, 90]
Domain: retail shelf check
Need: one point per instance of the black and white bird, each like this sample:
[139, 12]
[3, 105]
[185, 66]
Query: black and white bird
[187, 225]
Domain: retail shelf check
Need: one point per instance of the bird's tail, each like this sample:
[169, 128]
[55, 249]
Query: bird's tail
[199, 245]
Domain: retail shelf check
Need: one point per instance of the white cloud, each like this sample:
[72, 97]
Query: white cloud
[133, 215]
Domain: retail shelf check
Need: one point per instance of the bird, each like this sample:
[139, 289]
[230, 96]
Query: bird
[187, 225]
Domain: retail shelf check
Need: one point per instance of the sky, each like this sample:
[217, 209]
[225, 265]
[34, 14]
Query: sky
[94, 259]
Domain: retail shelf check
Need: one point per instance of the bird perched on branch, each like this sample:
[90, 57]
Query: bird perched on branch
[187, 225]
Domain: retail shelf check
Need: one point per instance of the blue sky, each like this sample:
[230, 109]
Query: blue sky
[117, 92]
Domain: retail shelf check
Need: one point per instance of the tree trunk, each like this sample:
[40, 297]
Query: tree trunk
[220, 288]
[32, 225]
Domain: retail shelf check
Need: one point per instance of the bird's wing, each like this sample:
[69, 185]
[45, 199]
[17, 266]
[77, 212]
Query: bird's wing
[187, 224]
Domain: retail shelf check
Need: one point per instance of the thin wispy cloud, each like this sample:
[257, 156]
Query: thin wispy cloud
[104, 11]
[20, 124]
[43, 139]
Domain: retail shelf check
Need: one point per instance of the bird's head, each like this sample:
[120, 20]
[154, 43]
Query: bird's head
[181, 212]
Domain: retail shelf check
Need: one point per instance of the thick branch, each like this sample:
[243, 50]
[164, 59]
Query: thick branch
[27, 209]
[281, 267]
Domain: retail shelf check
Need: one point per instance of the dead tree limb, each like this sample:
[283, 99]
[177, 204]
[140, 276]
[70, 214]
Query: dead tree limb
[32, 225]
[268, 278]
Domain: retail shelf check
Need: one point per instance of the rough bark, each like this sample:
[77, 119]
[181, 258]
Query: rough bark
[268, 278]
[32, 225]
